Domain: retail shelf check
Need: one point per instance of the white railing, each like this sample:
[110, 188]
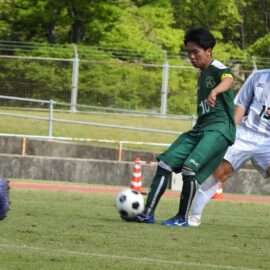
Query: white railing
[120, 144]
[51, 118]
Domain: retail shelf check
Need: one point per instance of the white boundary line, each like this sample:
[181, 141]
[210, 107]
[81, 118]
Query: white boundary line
[117, 257]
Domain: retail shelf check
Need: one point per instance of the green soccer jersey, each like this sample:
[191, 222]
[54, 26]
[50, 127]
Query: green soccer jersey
[221, 116]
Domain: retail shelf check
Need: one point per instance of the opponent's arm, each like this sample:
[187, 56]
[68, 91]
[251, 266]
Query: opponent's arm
[239, 112]
[223, 86]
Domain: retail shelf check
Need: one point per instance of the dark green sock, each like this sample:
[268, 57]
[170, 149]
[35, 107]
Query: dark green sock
[188, 192]
[157, 189]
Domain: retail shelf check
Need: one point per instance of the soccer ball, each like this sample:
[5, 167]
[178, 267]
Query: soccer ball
[129, 203]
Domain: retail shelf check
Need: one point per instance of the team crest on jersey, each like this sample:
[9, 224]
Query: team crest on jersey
[210, 82]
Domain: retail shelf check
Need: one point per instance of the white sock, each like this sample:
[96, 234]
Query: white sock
[206, 191]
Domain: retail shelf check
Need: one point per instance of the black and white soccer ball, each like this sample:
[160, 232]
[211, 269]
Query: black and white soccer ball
[129, 203]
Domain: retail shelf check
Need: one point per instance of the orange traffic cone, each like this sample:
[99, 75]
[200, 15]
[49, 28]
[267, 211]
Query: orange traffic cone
[219, 193]
[136, 182]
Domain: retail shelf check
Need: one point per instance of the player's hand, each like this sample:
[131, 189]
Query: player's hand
[211, 100]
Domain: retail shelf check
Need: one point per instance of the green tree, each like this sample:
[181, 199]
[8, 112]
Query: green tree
[261, 48]
[256, 21]
[34, 20]
[123, 44]
[218, 15]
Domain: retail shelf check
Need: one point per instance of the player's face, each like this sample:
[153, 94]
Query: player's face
[199, 57]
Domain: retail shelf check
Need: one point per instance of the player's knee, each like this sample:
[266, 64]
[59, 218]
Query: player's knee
[162, 171]
[224, 171]
[187, 171]
[188, 176]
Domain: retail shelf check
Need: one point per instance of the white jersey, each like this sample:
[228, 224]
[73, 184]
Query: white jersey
[254, 97]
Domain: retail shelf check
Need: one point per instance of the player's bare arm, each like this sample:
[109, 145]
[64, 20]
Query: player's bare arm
[223, 86]
[239, 112]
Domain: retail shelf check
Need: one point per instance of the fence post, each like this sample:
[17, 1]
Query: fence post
[23, 146]
[120, 149]
[75, 75]
[50, 118]
[164, 90]
[193, 121]
[254, 63]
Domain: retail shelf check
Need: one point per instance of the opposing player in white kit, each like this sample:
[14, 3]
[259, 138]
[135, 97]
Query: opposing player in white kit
[252, 115]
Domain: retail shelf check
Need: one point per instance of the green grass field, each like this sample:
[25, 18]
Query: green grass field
[82, 230]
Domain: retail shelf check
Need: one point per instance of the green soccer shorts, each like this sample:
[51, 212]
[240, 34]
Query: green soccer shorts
[202, 151]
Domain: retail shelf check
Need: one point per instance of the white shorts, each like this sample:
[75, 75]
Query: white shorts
[249, 145]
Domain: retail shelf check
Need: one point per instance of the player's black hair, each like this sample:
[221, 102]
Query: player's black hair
[201, 36]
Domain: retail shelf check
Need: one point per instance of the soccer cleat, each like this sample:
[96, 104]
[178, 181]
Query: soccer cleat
[176, 221]
[4, 198]
[194, 220]
[140, 219]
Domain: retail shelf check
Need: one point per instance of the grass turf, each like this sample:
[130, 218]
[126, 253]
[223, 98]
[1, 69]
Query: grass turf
[81, 230]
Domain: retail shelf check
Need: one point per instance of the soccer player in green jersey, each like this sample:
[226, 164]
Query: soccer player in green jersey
[198, 152]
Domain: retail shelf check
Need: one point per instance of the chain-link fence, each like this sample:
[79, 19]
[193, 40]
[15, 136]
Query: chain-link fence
[163, 84]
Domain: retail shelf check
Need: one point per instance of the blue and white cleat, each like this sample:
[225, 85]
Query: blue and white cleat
[175, 221]
[141, 219]
[4, 198]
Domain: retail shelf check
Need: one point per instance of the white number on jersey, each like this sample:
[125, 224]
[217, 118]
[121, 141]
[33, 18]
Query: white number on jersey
[205, 107]
[265, 112]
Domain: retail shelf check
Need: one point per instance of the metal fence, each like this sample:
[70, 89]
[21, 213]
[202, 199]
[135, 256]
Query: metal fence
[84, 81]
[49, 106]
[90, 77]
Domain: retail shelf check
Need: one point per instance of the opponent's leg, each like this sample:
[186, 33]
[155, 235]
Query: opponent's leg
[207, 190]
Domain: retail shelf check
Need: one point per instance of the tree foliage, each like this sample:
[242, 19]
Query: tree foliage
[128, 32]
